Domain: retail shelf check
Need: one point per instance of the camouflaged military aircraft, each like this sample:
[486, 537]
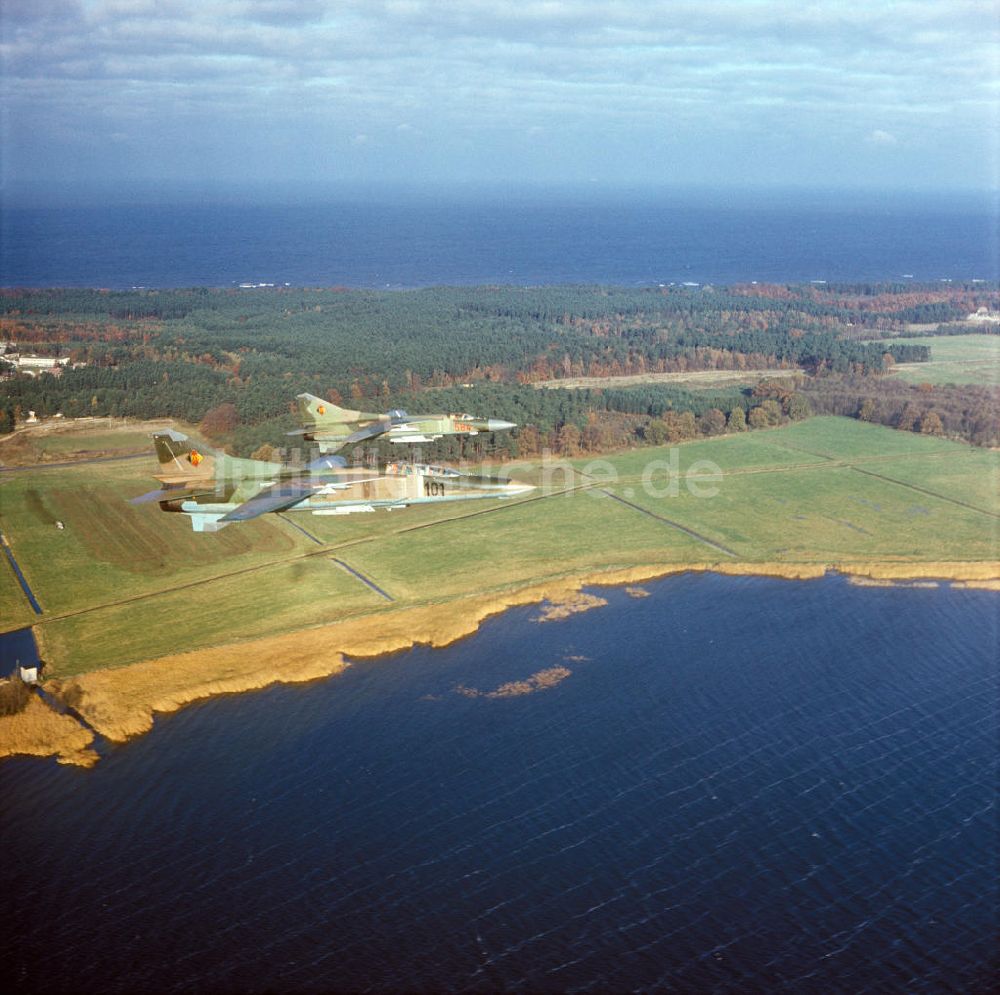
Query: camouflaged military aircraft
[332, 427]
[215, 489]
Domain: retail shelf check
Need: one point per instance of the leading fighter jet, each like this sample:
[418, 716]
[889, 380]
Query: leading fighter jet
[333, 427]
[215, 489]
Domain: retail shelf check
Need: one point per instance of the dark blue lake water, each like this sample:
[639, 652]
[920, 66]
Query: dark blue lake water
[744, 785]
[17, 648]
[726, 238]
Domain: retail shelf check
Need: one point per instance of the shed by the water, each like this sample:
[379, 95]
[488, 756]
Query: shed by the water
[18, 654]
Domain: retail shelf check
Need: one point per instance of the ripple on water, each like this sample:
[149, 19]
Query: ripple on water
[743, 783]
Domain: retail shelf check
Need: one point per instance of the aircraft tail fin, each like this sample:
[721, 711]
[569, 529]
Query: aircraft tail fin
[181, 460]
[315, 411]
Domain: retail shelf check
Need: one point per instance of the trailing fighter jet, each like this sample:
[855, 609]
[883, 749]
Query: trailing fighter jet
[215, 489]
[333, 427]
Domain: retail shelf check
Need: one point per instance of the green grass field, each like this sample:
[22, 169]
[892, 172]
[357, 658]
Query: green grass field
[955, 359]
[57, 440]
[122, 583]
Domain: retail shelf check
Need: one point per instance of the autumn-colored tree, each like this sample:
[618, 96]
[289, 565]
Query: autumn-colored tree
[908, 419]
[797, 407]
[220, 420]
[766, 414]
[656, 433]
[590, 438]
[737, 421]
[712, 422]
[773, 412]
[777, 390]
[867, 410]
[569, 440]
[931, 424]
[265, 452]
[528, 441]
[14, 695]
[680, 425]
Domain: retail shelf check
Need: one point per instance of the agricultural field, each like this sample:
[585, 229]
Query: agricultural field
[120, 583]
[954, 359]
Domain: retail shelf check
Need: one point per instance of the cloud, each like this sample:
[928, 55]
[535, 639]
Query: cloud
[883, 138]
[601, 78]
[284, 12]
[21, 12]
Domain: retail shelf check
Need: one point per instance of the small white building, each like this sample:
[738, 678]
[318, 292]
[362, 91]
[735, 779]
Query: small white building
[33, 365]
[28, 672]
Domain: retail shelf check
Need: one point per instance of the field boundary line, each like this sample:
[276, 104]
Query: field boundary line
[808, 452]
[364, 580]
[672, 524]
[923, 490]
[295, 525]
[871, 458]
[187, 585]
[324, 550]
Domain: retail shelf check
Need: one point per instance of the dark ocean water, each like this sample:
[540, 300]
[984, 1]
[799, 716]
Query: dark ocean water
[747, 785]
[628, 241]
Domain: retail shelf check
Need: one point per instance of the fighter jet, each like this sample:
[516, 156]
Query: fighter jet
[333, 427]
[215, 489]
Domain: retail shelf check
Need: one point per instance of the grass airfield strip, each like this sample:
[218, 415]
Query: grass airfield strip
[787, 495]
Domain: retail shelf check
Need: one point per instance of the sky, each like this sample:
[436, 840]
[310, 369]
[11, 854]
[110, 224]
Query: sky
[449, 95]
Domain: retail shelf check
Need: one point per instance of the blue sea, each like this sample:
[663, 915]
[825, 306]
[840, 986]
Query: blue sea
[635, 239]
[743, 785]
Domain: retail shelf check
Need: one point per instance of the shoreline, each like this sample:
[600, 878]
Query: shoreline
[122, 703]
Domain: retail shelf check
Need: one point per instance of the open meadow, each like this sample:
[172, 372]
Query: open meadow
[119, 584]
[700, 379]
[957, 359]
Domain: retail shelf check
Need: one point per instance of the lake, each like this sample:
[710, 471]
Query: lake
[741, 784]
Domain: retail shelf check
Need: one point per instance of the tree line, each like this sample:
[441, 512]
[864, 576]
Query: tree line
[185, 353]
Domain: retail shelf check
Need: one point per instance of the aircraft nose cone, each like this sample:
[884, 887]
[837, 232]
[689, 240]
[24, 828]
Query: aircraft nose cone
[496, 425]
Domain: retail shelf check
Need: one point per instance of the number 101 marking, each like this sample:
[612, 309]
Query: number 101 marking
[433, 488]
